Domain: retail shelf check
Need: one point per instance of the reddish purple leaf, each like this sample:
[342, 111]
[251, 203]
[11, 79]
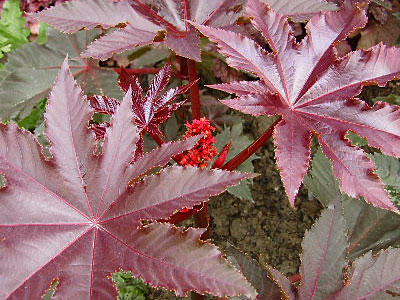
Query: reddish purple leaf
[76, 218]
[104, 104]
[149, 111]
[143, 19]
[100, 129]
[323, 258]
[314, 91]
[183, 45]
[300, 10]
[372, 276]
[268, 288]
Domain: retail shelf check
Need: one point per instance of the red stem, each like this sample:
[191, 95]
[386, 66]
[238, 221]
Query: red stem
[156, 138]
[249, 151]
[203, 221]
[201, 217]
[194, 89]
[139, 71]
[145, 71]
[295, 278]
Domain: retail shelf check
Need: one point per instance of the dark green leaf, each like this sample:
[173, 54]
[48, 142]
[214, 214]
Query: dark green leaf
[32, 120]
[42, 37]
[239, 142]
[392, 99]
[129, 288]
[31, 70]
[13, 33]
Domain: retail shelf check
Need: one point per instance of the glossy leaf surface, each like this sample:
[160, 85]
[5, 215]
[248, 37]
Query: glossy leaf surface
[314, 91]
[76, 218]
[150, 110]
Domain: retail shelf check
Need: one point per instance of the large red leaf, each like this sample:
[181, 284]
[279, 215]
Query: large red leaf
[314, 91]
[143, 19]
[76, 217]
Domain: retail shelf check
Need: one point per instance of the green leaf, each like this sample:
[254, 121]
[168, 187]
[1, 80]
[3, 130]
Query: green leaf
[51, 290]
[32, 120]
[31, 70]
[42, 37]
[383, 4]
[239, 142]
[129, 288]
[392, 99]
[356, 140]
[13, 33]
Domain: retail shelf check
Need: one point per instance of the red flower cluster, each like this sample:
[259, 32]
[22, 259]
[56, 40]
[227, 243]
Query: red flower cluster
[204, 151]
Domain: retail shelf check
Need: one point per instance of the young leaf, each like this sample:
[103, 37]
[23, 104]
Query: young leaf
[29, 73]
[149, 111]
[144, 20]
[314, 91]
[74, 219]
[13, 32]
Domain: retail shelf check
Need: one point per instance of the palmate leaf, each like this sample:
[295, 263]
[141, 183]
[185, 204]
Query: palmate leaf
[144, 19]
[314, 91]
[73, 219]
[29, 73]
[149, 111]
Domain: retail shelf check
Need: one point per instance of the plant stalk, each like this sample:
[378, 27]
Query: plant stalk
[146, 71]
[194, 89]
[249, 151]
[201, 217]
[139, 71]
[156, 138]
[203, 221]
